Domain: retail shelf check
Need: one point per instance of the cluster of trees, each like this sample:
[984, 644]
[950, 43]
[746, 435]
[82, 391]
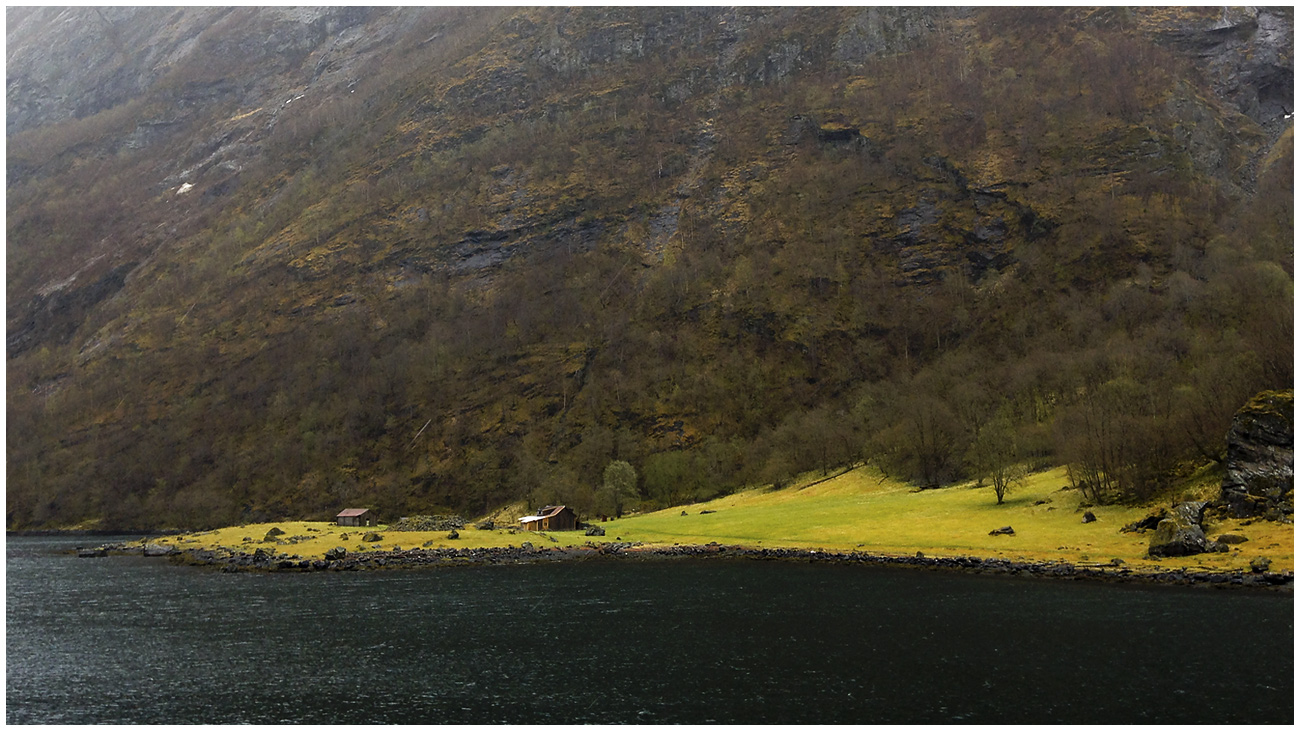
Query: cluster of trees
[311, 343]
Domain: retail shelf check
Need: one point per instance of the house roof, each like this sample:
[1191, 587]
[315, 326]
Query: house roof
[549, 511]
[352, 513]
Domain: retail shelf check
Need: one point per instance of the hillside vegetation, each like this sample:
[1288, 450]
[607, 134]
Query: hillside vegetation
[280, 262]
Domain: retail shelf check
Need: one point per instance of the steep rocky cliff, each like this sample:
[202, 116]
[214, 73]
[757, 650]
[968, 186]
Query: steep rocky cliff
[1248, 53]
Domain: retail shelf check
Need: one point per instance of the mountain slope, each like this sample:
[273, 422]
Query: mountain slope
[267, 262]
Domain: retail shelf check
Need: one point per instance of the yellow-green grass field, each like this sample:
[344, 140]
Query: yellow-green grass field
[860, 511]
[856, 511]
[314, 538]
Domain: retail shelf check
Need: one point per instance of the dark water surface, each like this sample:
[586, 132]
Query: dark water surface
[134, 640]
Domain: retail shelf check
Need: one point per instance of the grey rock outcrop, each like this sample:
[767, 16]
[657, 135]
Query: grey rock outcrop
[1260, 472]
[1180, 534]
[880, 31]
[113, 54]
[1247, 52]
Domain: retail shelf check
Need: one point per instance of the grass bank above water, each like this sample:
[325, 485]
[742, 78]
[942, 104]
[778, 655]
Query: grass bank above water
[856, 511]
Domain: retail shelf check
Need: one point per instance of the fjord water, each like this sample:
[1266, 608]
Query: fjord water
[135, 640]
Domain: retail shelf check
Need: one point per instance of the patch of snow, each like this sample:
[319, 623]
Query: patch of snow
[184, 188]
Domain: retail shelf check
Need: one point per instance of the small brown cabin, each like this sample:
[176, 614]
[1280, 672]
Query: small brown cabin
[551, 517]
[357, 517]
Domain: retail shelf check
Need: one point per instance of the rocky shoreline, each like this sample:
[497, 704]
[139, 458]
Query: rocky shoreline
[340, 560]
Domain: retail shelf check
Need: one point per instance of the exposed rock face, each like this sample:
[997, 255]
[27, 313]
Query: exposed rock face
[1248, 52]
[1259, 462]
[876, 31]
[136, 47]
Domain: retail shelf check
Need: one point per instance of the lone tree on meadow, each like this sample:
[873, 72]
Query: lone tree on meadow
[620, 484]
[994, 455]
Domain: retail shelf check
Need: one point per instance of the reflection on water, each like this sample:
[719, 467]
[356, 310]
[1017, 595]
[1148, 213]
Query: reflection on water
[134, 640]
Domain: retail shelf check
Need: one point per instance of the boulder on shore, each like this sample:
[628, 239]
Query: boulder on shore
[1181, 533]
[371, 537]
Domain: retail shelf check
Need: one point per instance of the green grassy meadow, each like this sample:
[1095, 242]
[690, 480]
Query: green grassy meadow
[855, 511]
[861, 511]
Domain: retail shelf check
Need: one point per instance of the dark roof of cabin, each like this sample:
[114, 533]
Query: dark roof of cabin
[549, 511]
